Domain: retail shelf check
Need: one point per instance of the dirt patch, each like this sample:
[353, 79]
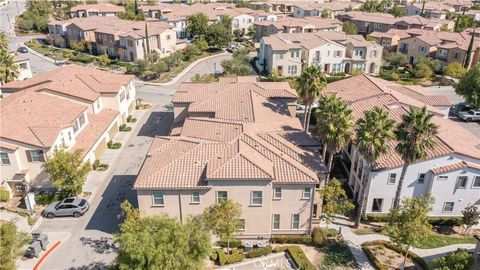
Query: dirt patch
[392, 259]
[371, 228]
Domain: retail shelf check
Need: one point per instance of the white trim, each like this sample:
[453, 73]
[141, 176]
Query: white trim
[458, 181]
[191, 197]
[274, 193]
[273, 221]
[390, 177]
[153, 198]
[303, 193]
[443, 209]
[291, 223]
[473, 182]
[251, 198]
[216, 194]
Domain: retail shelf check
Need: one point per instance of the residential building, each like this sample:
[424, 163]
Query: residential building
[389, 40]
[302, 10]
[100, 9]
[70, 108]
[235, 139]
[335, 52]
[24, 70]
[115, 37]
[295, 25]
[430, 9]
[4, 2]
[450, 172]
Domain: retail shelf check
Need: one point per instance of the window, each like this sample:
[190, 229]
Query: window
[442, 177]
[295, 221]
[169, 37]
[392, 178]
[292, 70]
[358, 53]
[294, 54]
[448, 207]
[422, 49]
[36, 155]
[277, 193]
[222, 196]
[121, 95]
[75, 126]
[455, 55]
[276, 221]
[307, 193]
[130, 43]
[241, 224]
[81, 120]
[476, 182]
[23, 66]
[157, 197]
[374, 53]
[336, 68]
[442, 52]
[338, 54]
[421, 178]
[278, 56]
[195, 197]
[4, 158]
[69, 136]
[462, 181]
[256, 198]
[377, 205]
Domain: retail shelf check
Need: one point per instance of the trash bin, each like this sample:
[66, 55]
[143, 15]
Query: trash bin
[43, 239]
[248, 246]
[35, 235]
[34, 249]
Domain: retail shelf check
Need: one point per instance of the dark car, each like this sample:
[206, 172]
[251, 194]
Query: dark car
[67, 207]
[22, 49]
[460, 107]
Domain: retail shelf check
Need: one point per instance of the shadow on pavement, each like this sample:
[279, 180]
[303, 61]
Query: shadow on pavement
[104, 245]
[107, 217]
[157, 124]
[91, 266]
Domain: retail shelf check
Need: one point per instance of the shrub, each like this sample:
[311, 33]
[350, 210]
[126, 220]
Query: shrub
[223, 258]
[131, 119]
[82, 57]
[4, 195]
[96, 164]
[67, 53]
[124, 128]
[234, 243]
[257, 252]
[299, 258]
[338, 255]
[459, 259]
[214, 255]
[112, 145]
[378, 265]
[414, 257]
[319, 237]
[45, 199]
[292, 239]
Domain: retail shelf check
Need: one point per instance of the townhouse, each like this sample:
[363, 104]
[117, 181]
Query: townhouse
[302, 10]
[295, 25]
[70, 108]
[430, 9]
[235, 139]
[115, 37]
[23, 63]
[450, 172]
[335, 52]
[382, 22]
[100, 9]
[389, 40]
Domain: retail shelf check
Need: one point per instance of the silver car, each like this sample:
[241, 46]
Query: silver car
[471, 115]
[67, 207]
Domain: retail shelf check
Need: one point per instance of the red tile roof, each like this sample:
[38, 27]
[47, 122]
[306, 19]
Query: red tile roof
[454, 167]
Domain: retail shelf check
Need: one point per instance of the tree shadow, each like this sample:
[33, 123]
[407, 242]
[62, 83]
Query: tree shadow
[104, 245]
[91, 266]
[157, 124]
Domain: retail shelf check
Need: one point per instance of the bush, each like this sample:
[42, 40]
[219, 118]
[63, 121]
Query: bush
[434, 221]
[378, 265]
[234, 243]
[103, 167]
[257, 252]
[292, 239]
[299, 258]
[124, 128]
[67, 53]
[131, 119]
[338, 255]
[235, 257]
[82, 57]
[214, 255]
[112, 145]
[319, 237]
[96, 164]
[4, 195]
[414, 257]
[45, 199]
[460, 260]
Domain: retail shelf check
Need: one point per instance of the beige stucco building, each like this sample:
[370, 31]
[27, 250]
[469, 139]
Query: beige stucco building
[235, 139]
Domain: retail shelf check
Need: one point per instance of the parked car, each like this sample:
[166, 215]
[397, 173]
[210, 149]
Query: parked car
[22, 49]
[460, 107]
[471, 115]
[67, 207]
[232, 48]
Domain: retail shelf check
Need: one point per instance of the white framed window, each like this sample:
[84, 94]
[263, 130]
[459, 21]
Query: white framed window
[121, 95]
[157, 198]
[277, 193]
[75, 126]
[81, 120]
[476, 182]
[4, 158]
[307, 193]
[421, 178]
[195, 197]
[276, 221]
[222, 196]
[392, 178]
[377, 205]
[442, 177]
[448, 207]
[242, 224]
[36, 155]
[338, 54]
[462, 182]
[295, 221]
[256, 198]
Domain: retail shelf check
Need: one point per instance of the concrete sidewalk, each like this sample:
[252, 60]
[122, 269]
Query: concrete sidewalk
[53, 238]
[19, 221]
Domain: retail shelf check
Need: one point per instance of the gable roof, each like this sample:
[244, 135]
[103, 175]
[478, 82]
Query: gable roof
[454, 167]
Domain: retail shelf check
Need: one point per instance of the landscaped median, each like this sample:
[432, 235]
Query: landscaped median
[385, 255]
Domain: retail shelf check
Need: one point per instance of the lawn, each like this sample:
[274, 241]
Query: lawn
[438, 240]
[337, 256]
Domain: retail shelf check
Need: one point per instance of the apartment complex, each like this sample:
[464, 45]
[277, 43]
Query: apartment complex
[451, 172]
[70, 108]
[295, 25]
[335, 52]
[382, 22]
[235, 139]
[305, 9]
[115, 37]
[100, 9]
[434, 9]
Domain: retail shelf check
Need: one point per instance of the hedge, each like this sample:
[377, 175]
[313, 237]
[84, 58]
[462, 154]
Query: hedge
[235, 257]
[82, 57]
[234, 243]
[376, 263]
[4, 195]
[414, 257]
[299, 258]
[435, 221]
[257, 252]
[292, 239]
[319, 237]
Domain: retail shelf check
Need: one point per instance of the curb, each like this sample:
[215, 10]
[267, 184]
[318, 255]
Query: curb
[46, 254]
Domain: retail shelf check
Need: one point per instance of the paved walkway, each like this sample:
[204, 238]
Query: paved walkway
[19, 221]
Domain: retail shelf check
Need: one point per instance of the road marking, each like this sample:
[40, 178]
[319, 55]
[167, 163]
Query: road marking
[46, 254]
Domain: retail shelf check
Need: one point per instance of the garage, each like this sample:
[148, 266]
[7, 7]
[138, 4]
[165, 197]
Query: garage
[102, 146]
[113, 131]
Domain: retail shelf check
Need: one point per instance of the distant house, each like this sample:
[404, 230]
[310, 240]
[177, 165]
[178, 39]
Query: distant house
[100, 9]
[315, 9]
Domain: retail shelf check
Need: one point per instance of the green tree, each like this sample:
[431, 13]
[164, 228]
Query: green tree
[103, 60]
[398, 11]
[160, 242]
[251, 31]
[334, 126]
[349, 28]
[238, 34]
[468, 56]
[192, 51]
[395, 59]
[463, 22]
[326, 14]
[310, 86]
[131, 12]
[173, 60]
[455, 70]
[434, 64]
[8, 68]
[218, 36]
[201, 43]
[226, 21]
[469, 86]
[375, 6]
[335, 201]
[36, 16]
[408, 224]
[197, 24]
[67, 171]
[470, 218]
[422, 71]
[223, 219]
[12, 245]
[373, 134]
[239, 65]
[458, 260]
[416, 136]
[444, 28]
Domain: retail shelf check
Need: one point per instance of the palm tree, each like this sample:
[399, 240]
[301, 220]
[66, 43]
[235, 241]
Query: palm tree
[8, 68]
[374, 132]
[310, 86]
[334, 126]
[416, 136]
